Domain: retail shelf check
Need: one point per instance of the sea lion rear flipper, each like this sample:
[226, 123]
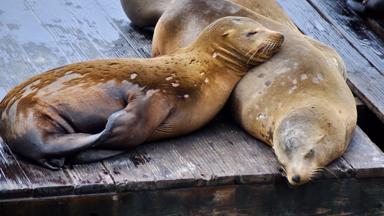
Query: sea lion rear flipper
[51, 151]
[66, 144]
[93, 155]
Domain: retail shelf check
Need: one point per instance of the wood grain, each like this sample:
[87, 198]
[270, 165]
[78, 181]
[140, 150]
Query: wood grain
[354, 29]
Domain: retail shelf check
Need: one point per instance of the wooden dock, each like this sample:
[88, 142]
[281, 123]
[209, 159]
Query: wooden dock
[218, 170]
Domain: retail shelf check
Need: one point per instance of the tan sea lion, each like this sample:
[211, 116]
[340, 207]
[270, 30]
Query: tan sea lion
[298, 102]
[146, 13]
[117, 104]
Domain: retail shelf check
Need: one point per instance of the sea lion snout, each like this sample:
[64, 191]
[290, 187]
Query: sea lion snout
[269, 44]
[296, 179]
[300, 172]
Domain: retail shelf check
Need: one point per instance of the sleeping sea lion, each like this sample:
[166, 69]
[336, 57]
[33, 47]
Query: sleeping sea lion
[298, 102]
[116, 104]
[146, 13]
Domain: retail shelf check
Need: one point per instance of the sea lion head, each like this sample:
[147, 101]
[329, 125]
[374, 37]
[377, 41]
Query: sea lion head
[307, 140]
[240, 42]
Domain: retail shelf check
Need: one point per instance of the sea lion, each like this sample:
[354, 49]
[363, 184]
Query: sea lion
[372, 8]
[146, 13]
[117, 104]
[298, 102]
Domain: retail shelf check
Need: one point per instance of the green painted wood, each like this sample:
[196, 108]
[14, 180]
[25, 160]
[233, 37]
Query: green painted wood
[345, 197]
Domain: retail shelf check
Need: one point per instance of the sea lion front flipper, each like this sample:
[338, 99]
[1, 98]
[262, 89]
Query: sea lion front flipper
[93, 155]
[135, 123]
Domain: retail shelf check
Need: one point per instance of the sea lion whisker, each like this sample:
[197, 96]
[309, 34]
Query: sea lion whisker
[253, 55]
[266, 49]
[251, 51]
[330, 172]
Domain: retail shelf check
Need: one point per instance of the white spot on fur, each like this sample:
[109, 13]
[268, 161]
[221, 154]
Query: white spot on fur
[215, 55]
[294, 82]
[315, 80]
[133, 76]
[175, 84]
[293, 88]
[295, 65]
[206, 80]
[320, 76]
[169, 78]
[186, 96]
[304, 77]
[262, 117]
[335, 61]
[283, 70]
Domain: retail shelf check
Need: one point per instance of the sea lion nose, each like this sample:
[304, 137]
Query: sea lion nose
[296, 179]
[280, 37]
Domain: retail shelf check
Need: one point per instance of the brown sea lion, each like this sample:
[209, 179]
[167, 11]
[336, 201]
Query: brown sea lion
[117, 104]
[298, 102]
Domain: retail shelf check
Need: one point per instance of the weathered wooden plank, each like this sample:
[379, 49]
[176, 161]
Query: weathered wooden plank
[42, 52]
[85, 21]
[346, 197]
[12, 56]
[377, 25]
[219, 154]
[152, 166]
[364, 79]
[64, 29]
[354, 29]
[18, 64]
[364, 156]
[13, 181]
[140, 39]
[91, 178]
[45, 182]
[35, 42]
